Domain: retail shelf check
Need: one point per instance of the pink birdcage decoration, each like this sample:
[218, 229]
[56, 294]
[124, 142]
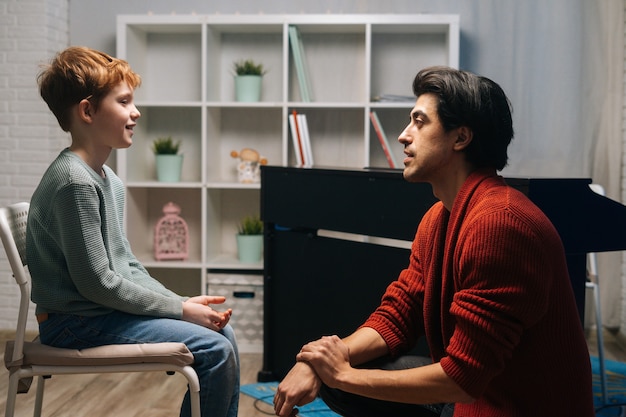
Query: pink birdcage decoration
[171, 235]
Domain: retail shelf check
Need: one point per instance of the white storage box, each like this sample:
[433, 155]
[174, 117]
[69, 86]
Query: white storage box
[244, 294]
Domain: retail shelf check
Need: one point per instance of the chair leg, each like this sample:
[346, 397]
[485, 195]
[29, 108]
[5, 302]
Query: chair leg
[195, 403]
[600, 338]
[11, 395]
[41, 384]
[193, 383]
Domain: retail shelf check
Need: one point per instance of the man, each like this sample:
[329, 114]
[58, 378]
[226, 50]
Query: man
[487, 285]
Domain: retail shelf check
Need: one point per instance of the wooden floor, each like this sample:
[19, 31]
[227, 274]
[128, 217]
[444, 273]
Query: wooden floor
[159, 395]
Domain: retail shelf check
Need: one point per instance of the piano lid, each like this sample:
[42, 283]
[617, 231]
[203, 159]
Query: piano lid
[381, 203]
[585, 220]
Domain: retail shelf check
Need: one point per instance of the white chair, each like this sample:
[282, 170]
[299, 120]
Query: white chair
[25, 360]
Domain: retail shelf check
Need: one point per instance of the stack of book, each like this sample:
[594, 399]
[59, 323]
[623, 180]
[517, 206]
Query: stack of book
[301, 141]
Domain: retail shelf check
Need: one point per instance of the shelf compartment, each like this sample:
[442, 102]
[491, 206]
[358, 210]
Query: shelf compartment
[162, 53]
[234, 128]
[225, 209]
[181, 123]
[336, 136]
[400, 51]
[144, 208]
[227, 44]
[334, 57]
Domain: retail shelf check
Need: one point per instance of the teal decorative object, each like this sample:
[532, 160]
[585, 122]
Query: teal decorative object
[248, 88]
[169, 167]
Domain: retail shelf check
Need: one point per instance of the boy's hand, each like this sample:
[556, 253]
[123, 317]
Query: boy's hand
[197, 310]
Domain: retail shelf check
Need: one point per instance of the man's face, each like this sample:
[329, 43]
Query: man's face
[427, 146]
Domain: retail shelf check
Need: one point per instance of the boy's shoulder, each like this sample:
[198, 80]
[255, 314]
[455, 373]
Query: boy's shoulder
[67, 169]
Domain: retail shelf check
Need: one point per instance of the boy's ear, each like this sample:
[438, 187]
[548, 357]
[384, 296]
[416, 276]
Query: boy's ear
[464, 137]
[85, 110]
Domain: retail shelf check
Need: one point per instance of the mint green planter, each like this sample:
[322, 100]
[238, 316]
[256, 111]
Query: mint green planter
[168, 167]
[248, 88]
[250, 248]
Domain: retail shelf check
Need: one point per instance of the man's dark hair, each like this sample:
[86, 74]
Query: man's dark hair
[466, 99]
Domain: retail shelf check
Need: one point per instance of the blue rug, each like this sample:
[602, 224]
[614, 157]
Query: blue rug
[264, 393]
[615, 387]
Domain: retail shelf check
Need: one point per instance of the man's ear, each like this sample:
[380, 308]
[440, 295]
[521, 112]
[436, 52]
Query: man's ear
[85, 111]
[464, 137]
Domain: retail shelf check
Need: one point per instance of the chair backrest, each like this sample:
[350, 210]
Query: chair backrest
[13, 220]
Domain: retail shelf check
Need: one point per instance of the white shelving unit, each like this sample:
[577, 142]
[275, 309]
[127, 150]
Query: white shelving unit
[187, 92]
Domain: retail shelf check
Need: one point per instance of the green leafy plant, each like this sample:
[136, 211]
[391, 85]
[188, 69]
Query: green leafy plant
[165, 146]
[248, 67]
[250, 225]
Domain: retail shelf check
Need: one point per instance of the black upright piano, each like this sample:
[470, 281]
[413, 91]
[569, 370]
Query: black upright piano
[320, 280]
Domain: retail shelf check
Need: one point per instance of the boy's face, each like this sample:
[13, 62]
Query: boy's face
[116, 117]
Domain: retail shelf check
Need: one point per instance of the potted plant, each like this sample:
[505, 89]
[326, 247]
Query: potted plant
[250, 239]
[248, 79]
[169, 162]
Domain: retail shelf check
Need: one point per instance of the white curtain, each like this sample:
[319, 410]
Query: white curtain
[568, 104]
[604, 64]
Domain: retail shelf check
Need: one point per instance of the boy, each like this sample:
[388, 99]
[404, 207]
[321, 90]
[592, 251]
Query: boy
[89, 288]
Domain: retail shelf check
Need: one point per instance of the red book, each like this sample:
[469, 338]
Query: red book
[382, 138]
[297, 138]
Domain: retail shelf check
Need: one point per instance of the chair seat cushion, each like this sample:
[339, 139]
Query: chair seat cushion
[39, 354]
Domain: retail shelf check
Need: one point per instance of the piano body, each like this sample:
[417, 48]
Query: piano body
[317, 284]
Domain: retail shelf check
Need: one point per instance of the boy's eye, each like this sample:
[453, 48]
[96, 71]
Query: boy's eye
[125, 99]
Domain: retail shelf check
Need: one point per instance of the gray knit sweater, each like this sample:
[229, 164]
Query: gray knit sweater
[79, 258]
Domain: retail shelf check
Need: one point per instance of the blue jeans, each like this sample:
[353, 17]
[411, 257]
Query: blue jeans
[216, 359]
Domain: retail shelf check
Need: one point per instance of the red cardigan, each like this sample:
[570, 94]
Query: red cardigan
[487, 284]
